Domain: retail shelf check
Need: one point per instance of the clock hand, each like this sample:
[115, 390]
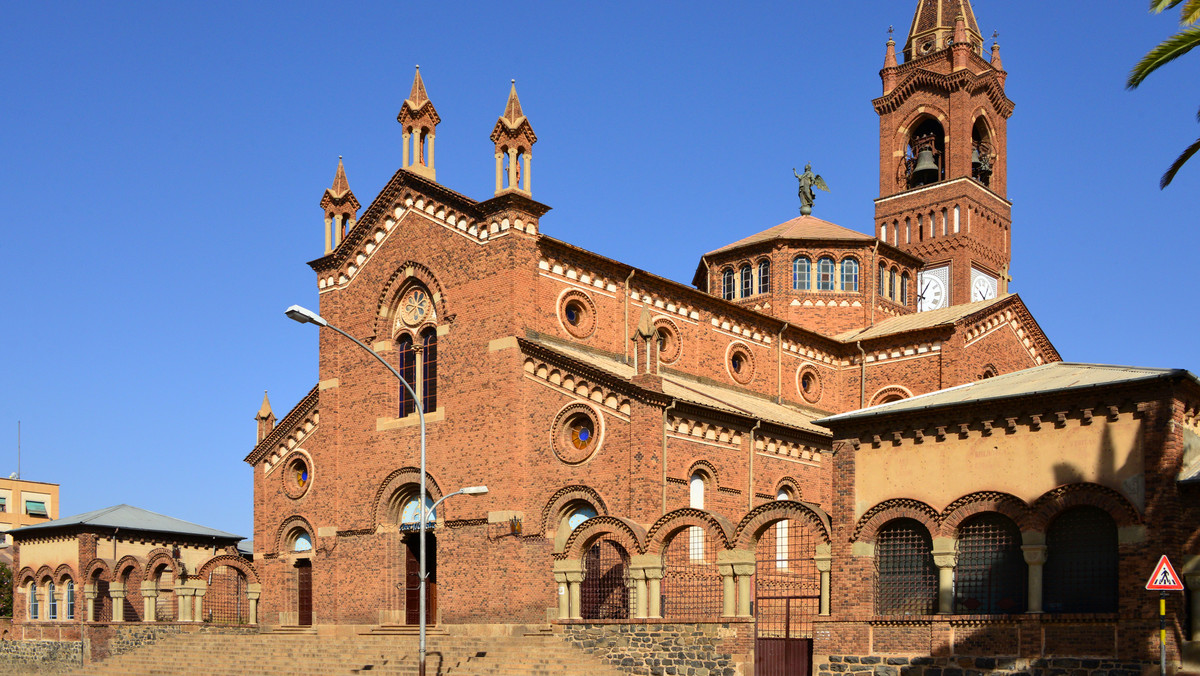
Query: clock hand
[921, 296]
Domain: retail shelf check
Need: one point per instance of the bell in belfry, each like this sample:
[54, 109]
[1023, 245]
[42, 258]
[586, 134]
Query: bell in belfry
[975, 161]
[926, 169]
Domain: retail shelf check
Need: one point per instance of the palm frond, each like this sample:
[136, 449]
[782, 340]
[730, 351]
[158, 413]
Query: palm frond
[1178, 164]
[1170, 49]
[1159, 6]
[1190, 13]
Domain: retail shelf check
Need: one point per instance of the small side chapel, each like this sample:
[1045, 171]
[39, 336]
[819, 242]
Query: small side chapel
[836, 448]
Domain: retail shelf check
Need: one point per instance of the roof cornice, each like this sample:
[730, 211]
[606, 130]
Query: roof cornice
[283, 427]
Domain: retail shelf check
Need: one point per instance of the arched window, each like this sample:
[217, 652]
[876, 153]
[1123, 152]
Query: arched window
[908, 230]
[801, 274]
[70, 599]
[410, 510]
[53, 601]
[1080, 575]
[991, 573]
[906, 579]
[882, 280]
[408, 370]
[850, 275]
[883, 232]
[764, 277]
[696, 501]
[33, 601]
[429, 370]
[892, 286]
[825, 274]
[781, 535]
[904, 289]
[727, 284]
[302, 542]
[579, 513]
[747, 282]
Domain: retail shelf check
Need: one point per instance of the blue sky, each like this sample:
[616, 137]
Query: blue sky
[162, 164]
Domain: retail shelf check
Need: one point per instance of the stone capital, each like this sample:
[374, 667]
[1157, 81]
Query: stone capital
[744, 569]
[944, 559]
[1034, 554]
[824, 558]
[736, 556]
[637, 573]
[116, 589]
[725, 569]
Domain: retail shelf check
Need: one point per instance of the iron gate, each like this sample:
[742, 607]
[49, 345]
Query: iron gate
[787, 596]
[691, 583]
[604, 593]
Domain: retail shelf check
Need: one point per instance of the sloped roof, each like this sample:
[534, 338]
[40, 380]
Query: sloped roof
[693, 390]
[946, 316]
[802, 227]
[1044, 379]
[128, 517]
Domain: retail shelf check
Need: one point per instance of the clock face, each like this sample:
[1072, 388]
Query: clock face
[983, 288]
[932, 295]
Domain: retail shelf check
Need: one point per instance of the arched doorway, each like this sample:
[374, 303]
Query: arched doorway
[304, 592]
[787, 596]
[412, 578]
[604, 593]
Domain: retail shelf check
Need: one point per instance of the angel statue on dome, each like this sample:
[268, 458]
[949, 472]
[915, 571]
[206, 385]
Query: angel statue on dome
[808, 181]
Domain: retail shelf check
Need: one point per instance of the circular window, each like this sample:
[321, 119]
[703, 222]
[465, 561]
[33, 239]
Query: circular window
[577, 313]
[576, 433]
[740, 363]
[416, 308]
[297, 475]
[667, 335]
[808, 383]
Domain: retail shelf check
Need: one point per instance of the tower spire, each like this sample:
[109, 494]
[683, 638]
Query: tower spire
[419, 120]
[933, 27]
[265, 418]
[514, 139]
[340, 207]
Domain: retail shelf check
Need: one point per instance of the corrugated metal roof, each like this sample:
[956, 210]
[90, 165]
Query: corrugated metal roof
[1056, 377]
[802, 227]
[920, 320]
[695, 391]
[131, 518]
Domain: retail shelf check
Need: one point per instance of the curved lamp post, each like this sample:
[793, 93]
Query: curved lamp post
[306, 316]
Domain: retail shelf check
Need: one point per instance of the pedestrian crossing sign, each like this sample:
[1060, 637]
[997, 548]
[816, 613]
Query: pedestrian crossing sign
[1164, 578]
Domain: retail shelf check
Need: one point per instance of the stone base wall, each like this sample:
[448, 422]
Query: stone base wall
[41, 657]
[839, 665]
[701, 649]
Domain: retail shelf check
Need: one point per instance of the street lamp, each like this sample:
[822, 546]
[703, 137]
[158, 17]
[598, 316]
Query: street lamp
[306, 316]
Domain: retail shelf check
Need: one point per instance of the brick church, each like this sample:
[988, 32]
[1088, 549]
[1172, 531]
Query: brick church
[833, 451]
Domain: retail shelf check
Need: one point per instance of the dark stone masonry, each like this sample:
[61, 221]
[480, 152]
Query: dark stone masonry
[667, 649]
[977, 666]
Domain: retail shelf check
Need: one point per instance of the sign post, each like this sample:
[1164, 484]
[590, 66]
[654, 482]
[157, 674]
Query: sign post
[1163, 580]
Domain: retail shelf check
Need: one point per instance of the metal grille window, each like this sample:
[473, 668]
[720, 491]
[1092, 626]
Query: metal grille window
[892, 286]
[991, 573]
[1080, 575]
[691, 584]
[850, 275]
[53, 601]
[408, 369]
[70, 599]
[429, 370]
[747, 282]
[825, 274]
[226, 601]
[727, 284]
[787, 585]
[801, 271]
[33, 601]
[906, 579]
[604, 593]
[764, 277]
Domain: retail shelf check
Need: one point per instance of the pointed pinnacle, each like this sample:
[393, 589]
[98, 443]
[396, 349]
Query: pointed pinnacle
[265, 410]
[418, 95]
[645, 327]
[340, 185]
[512, 109]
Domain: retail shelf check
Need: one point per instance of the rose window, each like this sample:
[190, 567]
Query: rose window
[417, 308]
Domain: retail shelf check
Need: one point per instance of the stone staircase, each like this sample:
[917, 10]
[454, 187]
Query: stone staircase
[392, 652]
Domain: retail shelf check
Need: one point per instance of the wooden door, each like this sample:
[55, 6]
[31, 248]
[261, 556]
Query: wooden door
[412, 579]
[304, 592]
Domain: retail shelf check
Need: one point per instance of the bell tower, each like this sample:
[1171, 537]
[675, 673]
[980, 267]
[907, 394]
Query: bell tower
[943, 120]
[419, 119]
[514, 139]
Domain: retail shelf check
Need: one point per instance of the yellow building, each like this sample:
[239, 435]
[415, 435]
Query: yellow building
[25, 503]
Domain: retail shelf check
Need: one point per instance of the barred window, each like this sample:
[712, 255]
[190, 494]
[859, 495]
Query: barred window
[825, 274]
[801, 274]
[1080, 575]
[70, 599]
[904, 289]
[850, 275]
[429, 370]
[747, 282]
[33, 601]
[53, 601]
[764, 277]
[991, 573]
[893, 288]
[727, 284]
[906, 577]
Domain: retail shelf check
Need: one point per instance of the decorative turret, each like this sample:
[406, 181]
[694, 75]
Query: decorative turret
[340, 207]
[419, 120]
[996, 63]
[514, 139]
[933, 28]
[265, 418]
[888, 74]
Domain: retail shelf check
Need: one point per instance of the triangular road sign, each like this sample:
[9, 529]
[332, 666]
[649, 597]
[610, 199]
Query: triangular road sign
[1164, 577]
